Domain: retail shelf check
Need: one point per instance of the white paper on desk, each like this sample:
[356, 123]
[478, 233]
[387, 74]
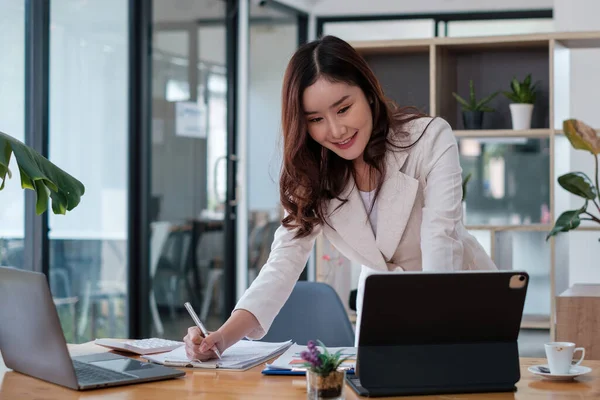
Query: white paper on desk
[242, 355]
[291, 359]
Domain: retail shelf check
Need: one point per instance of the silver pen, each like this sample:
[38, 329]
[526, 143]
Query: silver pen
[200, 325]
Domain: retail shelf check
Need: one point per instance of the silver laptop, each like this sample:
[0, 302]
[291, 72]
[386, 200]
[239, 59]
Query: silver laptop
[32, 341]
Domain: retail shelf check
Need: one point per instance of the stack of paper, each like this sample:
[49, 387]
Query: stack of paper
[243, 355]
[291, 363]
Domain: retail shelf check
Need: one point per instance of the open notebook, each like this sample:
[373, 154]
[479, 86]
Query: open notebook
[241, 356]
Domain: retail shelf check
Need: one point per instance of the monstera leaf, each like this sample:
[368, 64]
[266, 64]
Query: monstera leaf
[39, 174]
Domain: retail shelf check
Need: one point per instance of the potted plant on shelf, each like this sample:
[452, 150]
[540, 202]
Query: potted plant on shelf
[472, 110]
[39, 174]
[582, 137]
[324, 380]
[522, 95]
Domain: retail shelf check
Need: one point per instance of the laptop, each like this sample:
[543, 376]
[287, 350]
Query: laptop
[440, 333]
[32, 341]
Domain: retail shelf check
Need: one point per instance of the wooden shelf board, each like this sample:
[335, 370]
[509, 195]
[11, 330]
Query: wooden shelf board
[573, 40]
[535, 322]
[579, 40]
[526, 228]
[541, 133]
[392, 46]
[521, 228]
[587, 228]
[513, 42]
[561, 132]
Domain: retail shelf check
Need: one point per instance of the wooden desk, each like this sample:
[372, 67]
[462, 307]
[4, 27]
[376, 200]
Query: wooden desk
[251, 384]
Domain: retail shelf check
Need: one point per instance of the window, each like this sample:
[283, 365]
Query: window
[381, 30]
[89, 139]
[12, 122]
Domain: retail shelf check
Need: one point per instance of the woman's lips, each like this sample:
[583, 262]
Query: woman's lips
[348, 143]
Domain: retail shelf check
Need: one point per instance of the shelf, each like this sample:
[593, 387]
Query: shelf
[587, 228]
[432, 68]
[535, 322]
[561, 132]
[510, 42]
[503, 133]
[393, 46]
[517, 228]
[579, 40]
[526, 228]
[573, 40]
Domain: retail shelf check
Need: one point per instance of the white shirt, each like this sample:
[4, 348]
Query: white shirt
[367, 198]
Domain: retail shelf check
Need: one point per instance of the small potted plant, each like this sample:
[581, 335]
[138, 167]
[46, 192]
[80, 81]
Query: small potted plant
[522, 95]
[323, 379]
[472, 110]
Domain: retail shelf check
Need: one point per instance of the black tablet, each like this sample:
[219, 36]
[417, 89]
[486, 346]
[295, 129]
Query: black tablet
[434, 333]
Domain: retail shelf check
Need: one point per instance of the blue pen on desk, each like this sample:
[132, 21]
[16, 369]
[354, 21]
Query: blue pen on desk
[199, 324]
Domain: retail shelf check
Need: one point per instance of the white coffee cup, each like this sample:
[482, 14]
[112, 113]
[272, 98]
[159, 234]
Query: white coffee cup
[560, 356]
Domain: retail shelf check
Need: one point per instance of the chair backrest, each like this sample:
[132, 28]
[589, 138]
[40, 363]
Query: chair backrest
[313, 311]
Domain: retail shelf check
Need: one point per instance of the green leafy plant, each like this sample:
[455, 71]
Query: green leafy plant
[42, 176]
[522, 92]
[473, 104]
[581, 137]
[321, 363]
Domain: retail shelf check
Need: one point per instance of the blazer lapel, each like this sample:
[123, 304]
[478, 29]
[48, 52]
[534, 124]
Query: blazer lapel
[394, 204]
[350, 221]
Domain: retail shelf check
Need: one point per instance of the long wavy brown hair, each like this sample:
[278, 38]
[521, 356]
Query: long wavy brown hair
[312, 175]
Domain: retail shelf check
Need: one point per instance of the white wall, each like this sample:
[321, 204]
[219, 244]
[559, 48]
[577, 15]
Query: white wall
[270, 50]
[579, 68]
[362, 7]
[304, 5]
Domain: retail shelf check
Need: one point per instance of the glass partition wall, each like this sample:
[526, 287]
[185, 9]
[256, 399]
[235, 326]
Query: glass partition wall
[88, 137]
[274, 36]
[12, 120]
[97, 129]
[189, 152]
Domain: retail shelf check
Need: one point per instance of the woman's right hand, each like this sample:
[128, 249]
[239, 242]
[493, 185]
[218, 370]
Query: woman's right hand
[197, 347]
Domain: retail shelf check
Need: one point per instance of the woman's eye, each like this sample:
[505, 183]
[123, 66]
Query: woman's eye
[315, 119]
[343, 110]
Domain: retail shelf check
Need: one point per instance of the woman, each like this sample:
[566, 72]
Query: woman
[382, 184]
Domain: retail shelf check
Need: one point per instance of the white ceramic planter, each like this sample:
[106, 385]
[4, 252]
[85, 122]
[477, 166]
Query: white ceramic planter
[521, 115]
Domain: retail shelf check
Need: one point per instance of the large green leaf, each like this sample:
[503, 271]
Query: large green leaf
[40, 175]
[579, 184]
[581, 136]
[567, 221]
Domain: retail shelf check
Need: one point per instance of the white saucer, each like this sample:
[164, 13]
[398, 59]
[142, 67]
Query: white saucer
[575, 371]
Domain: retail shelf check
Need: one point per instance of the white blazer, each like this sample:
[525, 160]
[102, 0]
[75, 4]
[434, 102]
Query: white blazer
[419, 226]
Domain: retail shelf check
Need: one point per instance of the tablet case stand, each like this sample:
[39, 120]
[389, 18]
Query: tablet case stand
[472, 342]
[438, 369]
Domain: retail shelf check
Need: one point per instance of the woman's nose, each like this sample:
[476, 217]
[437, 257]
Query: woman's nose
[337, 130]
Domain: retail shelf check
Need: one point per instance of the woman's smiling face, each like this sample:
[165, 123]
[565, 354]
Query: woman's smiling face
[338, 117]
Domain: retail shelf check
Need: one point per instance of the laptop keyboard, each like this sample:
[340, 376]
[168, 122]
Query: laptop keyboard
[90, 374]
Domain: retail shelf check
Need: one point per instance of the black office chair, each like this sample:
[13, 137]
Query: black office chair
[313, 311]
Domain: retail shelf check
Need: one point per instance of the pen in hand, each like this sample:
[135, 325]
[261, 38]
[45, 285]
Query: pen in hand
[199, 324]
